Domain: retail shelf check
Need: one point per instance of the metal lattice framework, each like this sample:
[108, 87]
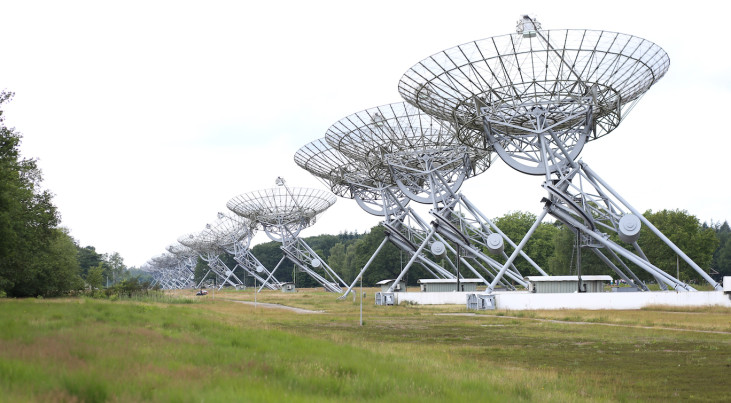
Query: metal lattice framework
[168, 271]
[209, 248]
[537, 97]
[373, 189]
[234, 233]
[429, 165]
[348, 177]
[187, 259]
[400, 130]
[577, 84]
[283, 212]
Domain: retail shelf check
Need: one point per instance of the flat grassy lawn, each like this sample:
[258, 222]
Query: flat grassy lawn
[219, 350]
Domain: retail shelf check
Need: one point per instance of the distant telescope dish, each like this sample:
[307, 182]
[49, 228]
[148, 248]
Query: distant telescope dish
[283, 212]
[282, 208]
[369, 184]
[402, 139]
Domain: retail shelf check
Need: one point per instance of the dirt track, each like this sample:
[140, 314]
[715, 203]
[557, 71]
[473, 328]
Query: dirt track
[276, 306]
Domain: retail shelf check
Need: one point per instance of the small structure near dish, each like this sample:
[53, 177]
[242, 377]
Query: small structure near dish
[386, 285]
[288, 287]
[449, 284]
[567, 284]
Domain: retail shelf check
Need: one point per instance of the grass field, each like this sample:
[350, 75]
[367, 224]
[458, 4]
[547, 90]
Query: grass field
[185, 348]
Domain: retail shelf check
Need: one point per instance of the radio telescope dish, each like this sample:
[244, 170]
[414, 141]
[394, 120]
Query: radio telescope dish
[208, 245]
[283, 212]
[231, 231]
[282, 209]
[167, 271]
[181, 250]
[234, 234]
[187, 259]
[537, 97]
[577, 85]
[429, 165]
[335, 169]
[371, 187]
[412, 139]
[200, 244]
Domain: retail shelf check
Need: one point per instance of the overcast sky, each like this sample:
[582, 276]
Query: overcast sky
[148, 116]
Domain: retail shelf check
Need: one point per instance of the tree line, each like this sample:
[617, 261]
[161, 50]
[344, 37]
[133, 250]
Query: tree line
[553, 247]
[38, 257]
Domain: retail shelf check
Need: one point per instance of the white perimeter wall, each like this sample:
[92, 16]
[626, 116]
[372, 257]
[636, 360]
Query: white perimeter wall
[518, 300]
[610, 300]
[432, 298]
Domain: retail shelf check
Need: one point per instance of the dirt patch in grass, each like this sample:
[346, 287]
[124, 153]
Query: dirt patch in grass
[61, 350]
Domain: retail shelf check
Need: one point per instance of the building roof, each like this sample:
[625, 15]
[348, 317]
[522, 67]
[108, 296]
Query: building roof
[448, 280]
[535, 279]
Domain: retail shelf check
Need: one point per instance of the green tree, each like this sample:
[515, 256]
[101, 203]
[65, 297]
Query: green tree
[116, 267]
[565, 259]
[61, 270]
[200, 270]
[540, 248]
[95, 278]
[88, 258]
[29, 237]
[337, 261]
[686, 232]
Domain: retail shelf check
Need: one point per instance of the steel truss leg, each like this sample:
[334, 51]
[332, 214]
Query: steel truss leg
[373, 257]
[516, 251]
[271, 275]
[219, 269]
[566, 207]
[393, 225]
[412, 260]
[250, 263]
[302, 255]
[593, 176]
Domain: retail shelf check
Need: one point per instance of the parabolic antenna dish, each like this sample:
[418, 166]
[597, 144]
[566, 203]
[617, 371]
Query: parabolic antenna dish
[282, 207]
[165, 261]
[230, 229]
[201, 242]
[576, 84]
[370, 186]
[411, 144]
[181, 250]
[371, 134]
[337, 170]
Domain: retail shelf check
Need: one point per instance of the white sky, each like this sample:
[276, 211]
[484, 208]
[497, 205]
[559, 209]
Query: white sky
[148, 116]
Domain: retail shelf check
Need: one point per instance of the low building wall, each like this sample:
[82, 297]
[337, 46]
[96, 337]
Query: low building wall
[523, 300]
[608, 300]
[431, 298]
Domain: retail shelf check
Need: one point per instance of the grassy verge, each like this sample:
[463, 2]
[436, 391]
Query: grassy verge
[216, 350]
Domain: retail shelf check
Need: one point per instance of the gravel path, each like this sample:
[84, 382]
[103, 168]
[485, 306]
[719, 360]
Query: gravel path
[276, 306]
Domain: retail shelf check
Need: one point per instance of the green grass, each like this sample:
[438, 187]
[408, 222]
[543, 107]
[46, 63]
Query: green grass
[217, 350]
